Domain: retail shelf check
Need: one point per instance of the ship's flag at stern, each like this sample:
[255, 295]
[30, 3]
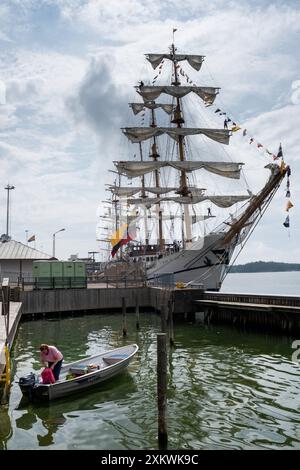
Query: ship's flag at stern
[122, 236]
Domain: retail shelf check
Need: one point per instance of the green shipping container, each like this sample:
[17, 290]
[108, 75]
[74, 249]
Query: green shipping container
[79, 280]
[57, 274]
[42, 274]
[68, 270]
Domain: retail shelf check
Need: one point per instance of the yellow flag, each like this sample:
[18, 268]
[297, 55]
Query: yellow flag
[289, 206]
[235, 128]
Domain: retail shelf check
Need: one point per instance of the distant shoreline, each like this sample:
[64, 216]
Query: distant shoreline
[264, 267]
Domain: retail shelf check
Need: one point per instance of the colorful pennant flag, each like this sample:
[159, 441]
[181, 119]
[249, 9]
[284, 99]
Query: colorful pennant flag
[235, 128]
[282, 166]
[280, 154]
[289, 206]
[286, 223]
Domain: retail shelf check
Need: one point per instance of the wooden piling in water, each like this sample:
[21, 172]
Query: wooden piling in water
[124, 316]
[137, 314]
[163, 318]
[162, 389]
[185, 314]
[170, 322]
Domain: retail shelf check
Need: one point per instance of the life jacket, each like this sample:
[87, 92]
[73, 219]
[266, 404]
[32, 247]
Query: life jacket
[47, 376]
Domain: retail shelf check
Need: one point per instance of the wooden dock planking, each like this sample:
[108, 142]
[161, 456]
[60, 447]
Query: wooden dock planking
[14, 318]
[249, 306]
[262, 312]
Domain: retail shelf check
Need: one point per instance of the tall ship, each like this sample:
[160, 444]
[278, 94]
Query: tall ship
[179, 204]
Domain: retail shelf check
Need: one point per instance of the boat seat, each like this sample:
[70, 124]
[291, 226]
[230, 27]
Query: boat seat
[114, 358]
[78, 370]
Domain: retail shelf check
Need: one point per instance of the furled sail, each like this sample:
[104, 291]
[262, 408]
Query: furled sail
[138, 134]
[194, 218]
[195, 61]
[220, 201]
[133, 169]
[129, 191]
[206, 93]
[138, 107]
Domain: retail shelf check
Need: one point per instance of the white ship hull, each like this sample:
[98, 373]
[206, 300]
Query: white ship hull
[200, 263]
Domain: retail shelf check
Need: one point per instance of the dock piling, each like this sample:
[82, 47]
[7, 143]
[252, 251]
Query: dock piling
[170, 322]
[124, 316]
[137, 314]
[163, 318]
[162, 390]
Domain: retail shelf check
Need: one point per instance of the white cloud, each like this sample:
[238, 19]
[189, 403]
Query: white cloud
[58, 159]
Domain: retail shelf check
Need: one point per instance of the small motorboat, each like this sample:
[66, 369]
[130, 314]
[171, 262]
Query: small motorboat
[80, 375]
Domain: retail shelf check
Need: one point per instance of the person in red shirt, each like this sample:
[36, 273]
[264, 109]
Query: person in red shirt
[51, 357]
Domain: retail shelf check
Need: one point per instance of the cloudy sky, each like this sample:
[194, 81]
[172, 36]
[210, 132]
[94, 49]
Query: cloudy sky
[67, 68]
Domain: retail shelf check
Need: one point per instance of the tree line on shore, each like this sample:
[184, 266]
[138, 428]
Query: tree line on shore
[264, 267]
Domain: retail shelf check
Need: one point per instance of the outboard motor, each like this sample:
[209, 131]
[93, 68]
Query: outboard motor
[27, 383]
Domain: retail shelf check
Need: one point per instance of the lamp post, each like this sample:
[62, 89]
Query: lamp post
[53, 237]
[8, 188]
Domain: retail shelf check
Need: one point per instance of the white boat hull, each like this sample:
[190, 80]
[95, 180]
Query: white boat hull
[200, 263]
[107, 364]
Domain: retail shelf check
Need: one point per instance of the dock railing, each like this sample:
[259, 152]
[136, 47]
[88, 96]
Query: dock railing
[31, 283]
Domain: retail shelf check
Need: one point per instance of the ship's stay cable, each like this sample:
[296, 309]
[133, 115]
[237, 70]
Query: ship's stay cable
[257, 218]
[251, 231]
[230, 111]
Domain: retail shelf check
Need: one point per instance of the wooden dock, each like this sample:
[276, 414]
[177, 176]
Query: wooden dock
[14, 318]
[265, 312]
[261, 312]
[43, 302]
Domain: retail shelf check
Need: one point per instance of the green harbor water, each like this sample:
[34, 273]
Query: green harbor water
[227, 389]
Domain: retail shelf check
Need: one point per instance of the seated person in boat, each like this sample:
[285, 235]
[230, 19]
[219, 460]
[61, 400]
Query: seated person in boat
[51, 357]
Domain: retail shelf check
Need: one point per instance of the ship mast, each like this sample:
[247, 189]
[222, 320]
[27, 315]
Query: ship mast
[117, 213]
[155, 156]
[178, 120]
[143, 195]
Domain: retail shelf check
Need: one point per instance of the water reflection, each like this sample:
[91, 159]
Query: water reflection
[49, 419]
[5, 427]
[54, 415]
[226, 389]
